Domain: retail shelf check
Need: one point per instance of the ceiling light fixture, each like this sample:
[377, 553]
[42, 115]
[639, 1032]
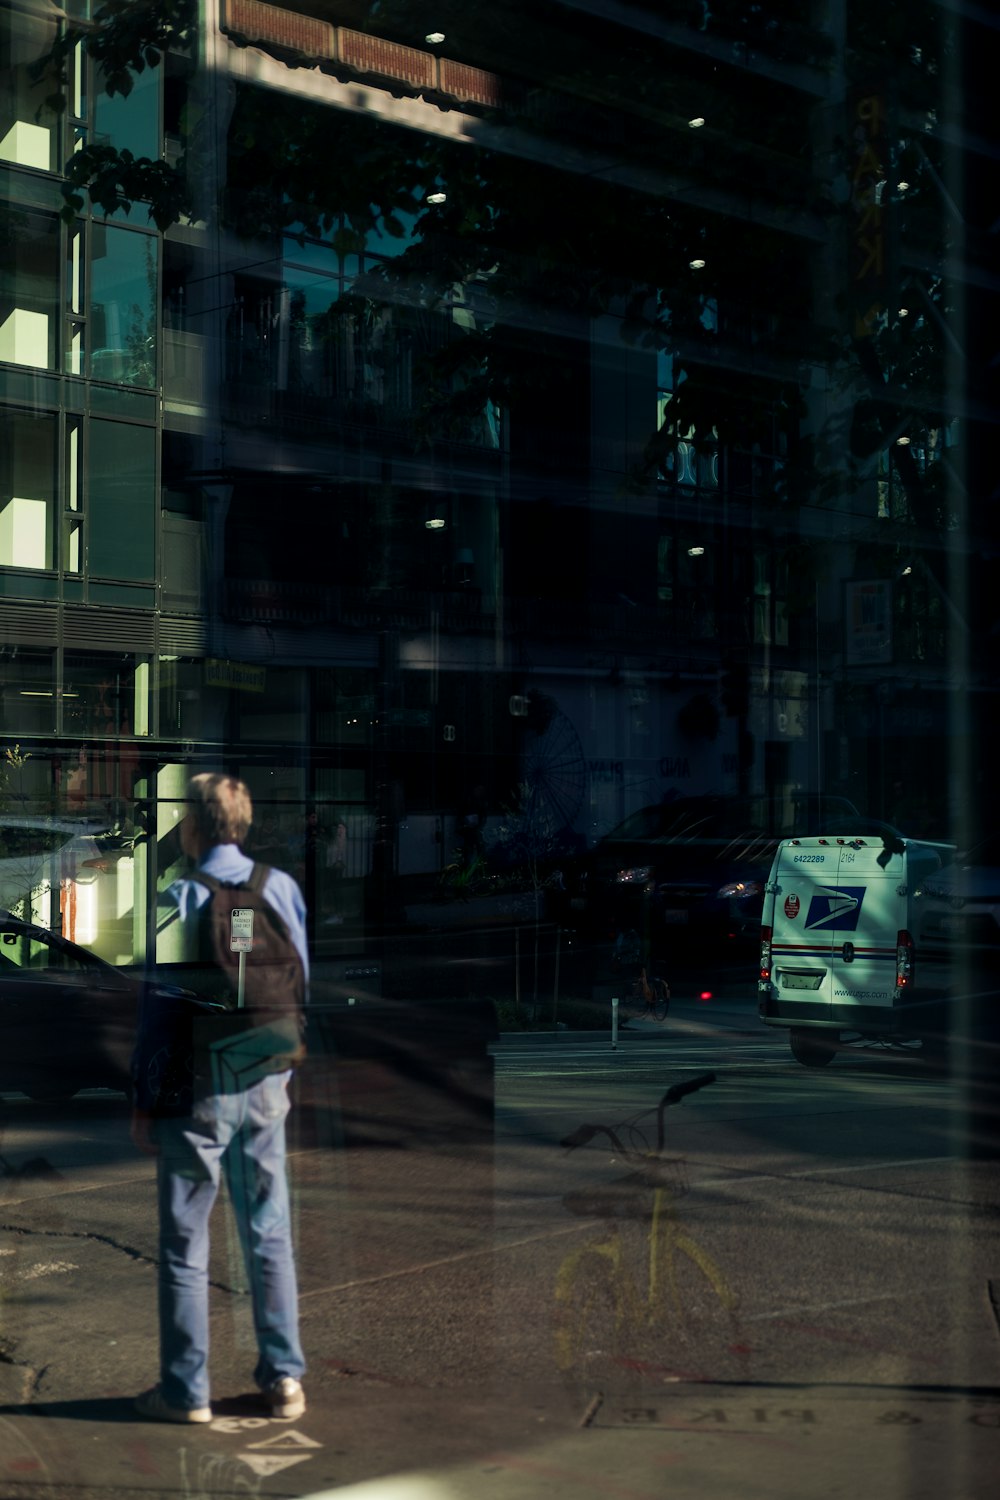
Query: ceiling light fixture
[697, 122]
[696, 265]
[437, 197]
[434, 37]
[903, 442]
[435, 523]
[696, 552]
[902, 186]
[904, 312]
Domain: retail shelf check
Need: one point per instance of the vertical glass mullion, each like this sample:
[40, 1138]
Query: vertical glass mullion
[76, 300]
[76, 268]
[78, 83]
[72, 521]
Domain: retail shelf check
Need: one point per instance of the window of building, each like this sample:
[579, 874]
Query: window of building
[75, 302]
[27, 488]
[105, 694]
[72, 559]
[131, 122]
[27, 707]
[29, 286]
[29, 133]
[319, 342]
[121, 501]
[123, 293]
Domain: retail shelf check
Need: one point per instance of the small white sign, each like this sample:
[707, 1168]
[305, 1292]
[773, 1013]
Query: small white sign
[241, 931]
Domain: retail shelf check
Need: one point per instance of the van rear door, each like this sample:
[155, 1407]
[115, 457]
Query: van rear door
[805, 876]
[863, 913]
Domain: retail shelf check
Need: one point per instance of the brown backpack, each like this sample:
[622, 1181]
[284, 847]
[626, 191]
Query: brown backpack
[268, 1034]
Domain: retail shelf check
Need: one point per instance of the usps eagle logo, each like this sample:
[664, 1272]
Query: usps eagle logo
[835, 907]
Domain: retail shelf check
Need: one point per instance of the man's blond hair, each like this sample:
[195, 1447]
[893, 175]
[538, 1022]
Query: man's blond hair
[221, 807]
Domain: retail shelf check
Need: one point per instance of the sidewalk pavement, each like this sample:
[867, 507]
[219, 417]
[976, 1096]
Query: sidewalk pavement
[365, 1442]
[428, 1258]
[431, 1372]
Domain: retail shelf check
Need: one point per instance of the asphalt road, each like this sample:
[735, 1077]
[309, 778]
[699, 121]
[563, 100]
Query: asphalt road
[834, 1252]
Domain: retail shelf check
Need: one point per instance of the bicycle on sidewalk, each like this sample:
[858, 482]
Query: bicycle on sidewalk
[644, 1301]
[648, 999]
[646, 995]
[462, 878]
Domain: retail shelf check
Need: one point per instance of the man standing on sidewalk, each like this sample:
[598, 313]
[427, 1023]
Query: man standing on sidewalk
[240, 1132]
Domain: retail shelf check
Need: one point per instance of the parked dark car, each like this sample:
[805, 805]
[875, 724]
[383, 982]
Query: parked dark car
[67, 1018]
[959, 907]
[692, 869]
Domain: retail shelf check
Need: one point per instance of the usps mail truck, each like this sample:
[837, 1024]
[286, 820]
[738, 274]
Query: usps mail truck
[837, 952]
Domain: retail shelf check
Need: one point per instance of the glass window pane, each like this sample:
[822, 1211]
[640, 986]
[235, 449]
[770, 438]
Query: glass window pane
[74, 547]
[28, 133]
[73, 428]
[29, 286]
[121, 501]
[27, 706]
[75, 348]
[99, 693]
[74, 270]
[131, 122]
[317, 338]
[27, 489]
[123, 306]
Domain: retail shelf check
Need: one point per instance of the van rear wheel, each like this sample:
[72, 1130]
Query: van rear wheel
[812, 1049]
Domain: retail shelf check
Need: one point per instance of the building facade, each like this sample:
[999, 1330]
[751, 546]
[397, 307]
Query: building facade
[527, 422]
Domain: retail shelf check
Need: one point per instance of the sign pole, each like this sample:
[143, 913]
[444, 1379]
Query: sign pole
[241, 942]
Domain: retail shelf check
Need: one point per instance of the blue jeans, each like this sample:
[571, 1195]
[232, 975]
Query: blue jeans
[243, 1135]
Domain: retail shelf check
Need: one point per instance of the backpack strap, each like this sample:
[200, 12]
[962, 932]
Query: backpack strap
[255, 881]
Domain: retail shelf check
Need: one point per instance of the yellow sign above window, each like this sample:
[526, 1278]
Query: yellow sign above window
[234, 674]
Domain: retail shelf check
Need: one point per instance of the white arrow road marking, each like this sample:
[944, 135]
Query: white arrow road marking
[287, 1440]
[272, 1463]
[284, 1450]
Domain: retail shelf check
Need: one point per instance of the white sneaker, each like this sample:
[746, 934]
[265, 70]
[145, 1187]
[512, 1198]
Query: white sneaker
[154, 1406]
[286, 1398]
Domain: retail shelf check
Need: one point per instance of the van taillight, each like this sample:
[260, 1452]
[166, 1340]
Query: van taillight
[904, 959]
[765, 952]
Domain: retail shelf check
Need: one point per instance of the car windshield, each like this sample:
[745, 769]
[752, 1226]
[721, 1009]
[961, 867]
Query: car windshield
[728, 818]
[34, 950]
[985, 854]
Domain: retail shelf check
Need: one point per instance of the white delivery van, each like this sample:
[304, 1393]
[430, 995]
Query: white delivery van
[837, 953]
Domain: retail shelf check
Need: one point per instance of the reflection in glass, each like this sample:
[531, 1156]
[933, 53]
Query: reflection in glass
[28, 133]
[27, 706]
[27, 488]
[130, 122]
[101, 688]
[74, 540]
[123, 306]
[29, 282]
[120, 500]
